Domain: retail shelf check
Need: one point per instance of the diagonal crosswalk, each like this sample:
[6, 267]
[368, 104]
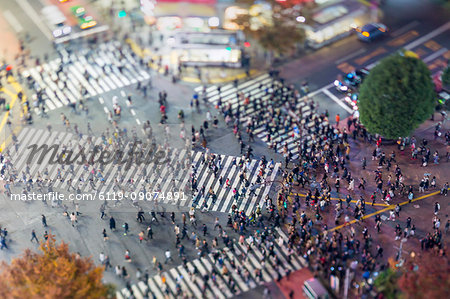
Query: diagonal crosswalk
[223, 274]
[169, 182]
[85, 73]
[296, 118]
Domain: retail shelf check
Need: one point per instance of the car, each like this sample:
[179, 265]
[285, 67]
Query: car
[356, 77]
[86, 22]
[56, 21]
[371, 32]
[78, 11]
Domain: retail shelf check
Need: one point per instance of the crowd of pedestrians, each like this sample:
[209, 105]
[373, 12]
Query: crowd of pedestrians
[318, 182]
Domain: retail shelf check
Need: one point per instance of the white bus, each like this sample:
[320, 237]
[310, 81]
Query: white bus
[56, 21]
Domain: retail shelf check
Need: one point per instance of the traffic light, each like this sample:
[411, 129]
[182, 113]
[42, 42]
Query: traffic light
[247, 44]
[228, 48]
[122, 14]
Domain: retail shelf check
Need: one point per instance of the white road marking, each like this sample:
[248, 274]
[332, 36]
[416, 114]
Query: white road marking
[435, 55]
[106, 109]
[370, 66]
[311, 94]
[428, 36]
[421, 40]
[15, 24]
[133, 112]
[354, 54]
[138, 121]
[339, 102]
[100, 99]
[35, 17]
[405, 28]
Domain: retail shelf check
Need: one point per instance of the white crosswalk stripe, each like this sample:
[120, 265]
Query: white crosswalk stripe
[170, 182]
[98, 71]
[258, 99]
[224, 279]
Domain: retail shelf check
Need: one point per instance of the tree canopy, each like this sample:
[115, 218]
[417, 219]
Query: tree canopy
[446, 77]
[276, 29]
[396, 97]
[421, 276]
[53, 272]
[386, 283]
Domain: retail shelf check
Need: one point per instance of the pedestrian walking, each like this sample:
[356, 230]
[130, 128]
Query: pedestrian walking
[127, 256]
[102, 258]
[149, 232]
[140, 216]
[125, 228]
[168, 256]
[154, 262]
[102, 210]
[33, 236]
[205, 229]
[73, 219]
[397, 210]
[112, 223]
[44, 220]
[437, 207]
[3, 242]
[105, 235]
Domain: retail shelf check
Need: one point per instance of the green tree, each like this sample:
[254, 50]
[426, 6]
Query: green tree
[276, 30]
[54, 272]
[396, 97]
[386, 284]
[446, 77]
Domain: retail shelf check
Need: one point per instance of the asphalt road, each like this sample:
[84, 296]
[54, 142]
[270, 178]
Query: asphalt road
[407, 21]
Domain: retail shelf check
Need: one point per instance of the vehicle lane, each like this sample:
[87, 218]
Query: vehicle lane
[431, 46]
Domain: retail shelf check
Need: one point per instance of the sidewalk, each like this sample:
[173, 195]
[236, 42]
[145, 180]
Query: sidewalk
[421, 209]
[10, 43]
[203, 75]
[293, 284]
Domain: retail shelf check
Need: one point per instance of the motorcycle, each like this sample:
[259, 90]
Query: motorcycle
[341, 87]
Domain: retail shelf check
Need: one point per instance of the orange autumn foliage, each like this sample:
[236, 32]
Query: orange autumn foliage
[54, 272]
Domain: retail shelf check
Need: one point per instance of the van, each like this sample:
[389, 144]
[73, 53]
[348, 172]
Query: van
[56, 21]
[313, 289]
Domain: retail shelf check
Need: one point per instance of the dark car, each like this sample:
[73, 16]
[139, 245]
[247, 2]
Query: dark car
[371, 32]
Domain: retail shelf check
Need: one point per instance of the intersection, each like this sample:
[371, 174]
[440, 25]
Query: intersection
[228, 160]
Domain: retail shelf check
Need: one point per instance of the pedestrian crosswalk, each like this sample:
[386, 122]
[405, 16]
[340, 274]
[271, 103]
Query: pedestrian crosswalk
[169, 182]
[256, 188]
[223, 274]
[278, 114]
[84, 73]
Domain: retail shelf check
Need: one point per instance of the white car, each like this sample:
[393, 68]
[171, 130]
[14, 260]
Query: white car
[56, 21]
